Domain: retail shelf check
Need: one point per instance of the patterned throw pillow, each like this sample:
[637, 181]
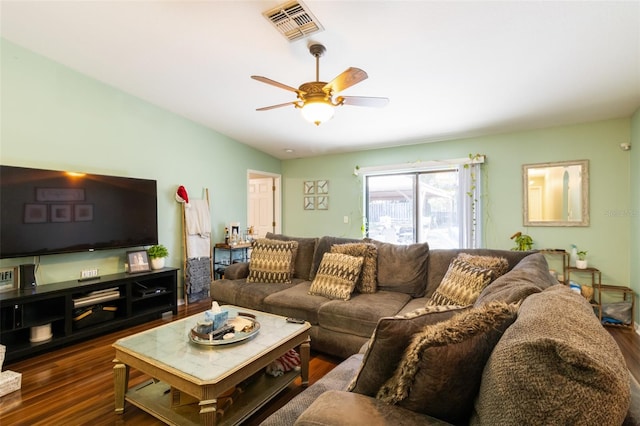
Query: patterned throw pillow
[369, 275]
[461, 284]
[499, 265]
[272, 261]
[336, 277]
[441, 370]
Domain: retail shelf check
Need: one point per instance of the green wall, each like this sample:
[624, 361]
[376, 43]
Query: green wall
[53, 117]
[607, 239]
[635, 209]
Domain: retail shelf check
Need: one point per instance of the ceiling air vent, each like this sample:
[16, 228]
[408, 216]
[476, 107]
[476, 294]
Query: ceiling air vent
[293, 20]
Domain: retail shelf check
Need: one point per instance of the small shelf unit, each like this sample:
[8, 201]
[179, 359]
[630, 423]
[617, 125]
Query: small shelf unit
[226, 254]
[133, 299]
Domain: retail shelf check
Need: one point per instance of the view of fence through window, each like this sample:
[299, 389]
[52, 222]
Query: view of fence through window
[414, 207]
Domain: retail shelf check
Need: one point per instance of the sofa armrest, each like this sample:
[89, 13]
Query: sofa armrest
[347, 408]
[237, 271]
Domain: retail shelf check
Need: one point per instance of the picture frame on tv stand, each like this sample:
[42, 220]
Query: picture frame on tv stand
[138, 261]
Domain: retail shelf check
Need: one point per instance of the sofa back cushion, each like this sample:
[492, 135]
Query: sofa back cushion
[555, 365]
[529, 276]
[439, 260]
[304, 255]
[402, 268]
[324, 246]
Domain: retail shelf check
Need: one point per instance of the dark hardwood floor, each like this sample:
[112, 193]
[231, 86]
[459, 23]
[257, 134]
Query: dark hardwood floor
[74, 385]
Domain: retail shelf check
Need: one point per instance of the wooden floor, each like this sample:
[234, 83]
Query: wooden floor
[74, 385]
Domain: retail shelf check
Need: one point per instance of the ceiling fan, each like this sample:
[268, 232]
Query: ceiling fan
[317, 99]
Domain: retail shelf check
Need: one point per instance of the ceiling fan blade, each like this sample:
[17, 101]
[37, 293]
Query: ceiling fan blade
[348, 78]
[363, 101]
[267, 108]
[275, 83]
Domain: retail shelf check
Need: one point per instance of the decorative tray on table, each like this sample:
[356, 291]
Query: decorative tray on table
[241, 328]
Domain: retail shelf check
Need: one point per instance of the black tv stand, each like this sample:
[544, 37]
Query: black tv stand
[54, 304]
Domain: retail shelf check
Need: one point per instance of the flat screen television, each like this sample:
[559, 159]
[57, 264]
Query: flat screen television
[49, 212]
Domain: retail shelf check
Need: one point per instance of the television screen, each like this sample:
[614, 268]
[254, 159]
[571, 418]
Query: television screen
[47, 212]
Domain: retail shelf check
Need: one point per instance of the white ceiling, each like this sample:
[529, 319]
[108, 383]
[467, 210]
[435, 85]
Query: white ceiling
[451, 69]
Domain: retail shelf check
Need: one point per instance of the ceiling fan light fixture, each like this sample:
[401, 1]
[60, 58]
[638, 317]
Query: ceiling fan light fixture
[317, 111]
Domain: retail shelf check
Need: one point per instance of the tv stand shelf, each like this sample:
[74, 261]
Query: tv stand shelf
[53, 304]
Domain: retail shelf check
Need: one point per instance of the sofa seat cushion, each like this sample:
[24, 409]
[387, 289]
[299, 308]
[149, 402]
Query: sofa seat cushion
[360, 315]
[248, 295]
[440, 371]
[304, 256]
[388, 343]
[402, 268]
[337, 275]
[336, 407]
[253, 295]
[461, 285]
[555, 365]
[296, 302]
[529, 276]
[272, 261]
[412, 305]
[336, 379]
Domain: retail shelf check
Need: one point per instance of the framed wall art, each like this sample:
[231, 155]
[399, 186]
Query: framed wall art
[322, 187]
[309, 203]
[309, 187]
[322, 202]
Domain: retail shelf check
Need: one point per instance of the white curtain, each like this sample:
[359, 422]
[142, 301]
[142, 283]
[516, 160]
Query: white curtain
[470, 205]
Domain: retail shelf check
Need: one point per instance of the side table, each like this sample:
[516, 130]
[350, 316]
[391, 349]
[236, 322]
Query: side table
[627, 295]
[596, 284]
[221, 263]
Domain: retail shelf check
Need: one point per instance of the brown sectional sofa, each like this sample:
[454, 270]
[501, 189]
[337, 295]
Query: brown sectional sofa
[407, 277]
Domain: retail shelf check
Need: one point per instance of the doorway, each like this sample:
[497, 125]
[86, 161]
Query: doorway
[263, 203]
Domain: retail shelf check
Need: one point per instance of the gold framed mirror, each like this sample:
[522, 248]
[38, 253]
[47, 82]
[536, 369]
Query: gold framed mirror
[556, 194]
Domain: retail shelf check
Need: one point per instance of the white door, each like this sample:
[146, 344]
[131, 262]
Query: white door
[261, 205]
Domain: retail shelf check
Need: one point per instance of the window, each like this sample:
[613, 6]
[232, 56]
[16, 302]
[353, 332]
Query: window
[435, 205]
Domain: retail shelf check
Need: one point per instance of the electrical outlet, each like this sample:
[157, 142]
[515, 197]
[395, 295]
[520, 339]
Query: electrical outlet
[346, 219]
[89, 273]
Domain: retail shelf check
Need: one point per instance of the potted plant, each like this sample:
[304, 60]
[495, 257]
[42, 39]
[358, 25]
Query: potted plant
[524, 242]
[581, 262]
[157, 254]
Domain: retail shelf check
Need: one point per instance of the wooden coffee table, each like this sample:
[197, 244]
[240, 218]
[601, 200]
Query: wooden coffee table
[185, 372]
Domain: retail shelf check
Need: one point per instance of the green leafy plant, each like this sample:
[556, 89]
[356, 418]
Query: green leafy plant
[582, 255]
[157, 251]
[523, 241]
